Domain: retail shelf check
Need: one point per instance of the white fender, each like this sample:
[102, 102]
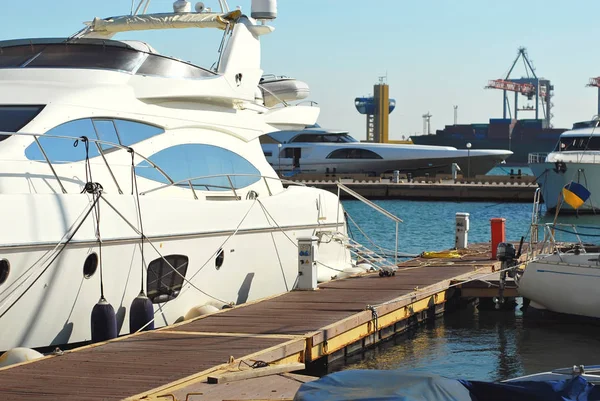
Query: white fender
[366, 267]
[200, 310]
[18, 355]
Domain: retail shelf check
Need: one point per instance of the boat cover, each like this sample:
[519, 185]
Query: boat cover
[106, 28]
[388, 385]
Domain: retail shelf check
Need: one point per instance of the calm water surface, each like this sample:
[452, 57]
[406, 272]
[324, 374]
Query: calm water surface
[471, 344]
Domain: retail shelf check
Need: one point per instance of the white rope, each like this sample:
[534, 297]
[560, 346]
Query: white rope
[275, 245]
[275, 222]
[187, 281]
[42, 259]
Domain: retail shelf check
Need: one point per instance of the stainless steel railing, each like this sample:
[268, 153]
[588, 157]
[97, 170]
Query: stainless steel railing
[536, 157]
[189, 182]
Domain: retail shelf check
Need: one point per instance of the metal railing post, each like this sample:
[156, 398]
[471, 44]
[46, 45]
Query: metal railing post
[232, 187]
[64, 191]
[108, 167]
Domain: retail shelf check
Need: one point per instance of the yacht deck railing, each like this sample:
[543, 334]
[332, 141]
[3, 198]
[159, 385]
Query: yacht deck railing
[190, 182]
[533, 158]
[171, 182]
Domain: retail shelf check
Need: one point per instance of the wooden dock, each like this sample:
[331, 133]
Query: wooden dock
[481, 188]
[341, 317]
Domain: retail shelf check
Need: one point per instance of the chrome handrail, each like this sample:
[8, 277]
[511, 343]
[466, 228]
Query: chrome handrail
[549, 243]
[96, 141]
[539, 157]
[171, 182]
[188, 182]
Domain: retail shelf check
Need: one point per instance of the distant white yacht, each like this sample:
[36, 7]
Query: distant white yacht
[125, 171]
[322, 151]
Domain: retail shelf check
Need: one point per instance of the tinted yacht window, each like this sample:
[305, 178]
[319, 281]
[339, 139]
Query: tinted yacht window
[61, 150]
[353, 154]
[13, 118]
[198, 160]
[165, 277]
[87, 56]
[166, 67]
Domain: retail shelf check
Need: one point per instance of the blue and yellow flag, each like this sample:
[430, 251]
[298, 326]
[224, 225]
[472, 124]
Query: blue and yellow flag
[575, 194]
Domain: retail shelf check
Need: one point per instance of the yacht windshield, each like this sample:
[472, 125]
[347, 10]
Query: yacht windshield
[63, 55]
[93, 54]
[13, 118]
[578, 143]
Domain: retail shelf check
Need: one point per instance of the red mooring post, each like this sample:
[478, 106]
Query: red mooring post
[498, 225]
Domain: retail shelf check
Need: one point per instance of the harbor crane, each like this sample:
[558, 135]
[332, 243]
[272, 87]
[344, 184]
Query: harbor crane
[595, 82]
[427, 123]
[537, 89]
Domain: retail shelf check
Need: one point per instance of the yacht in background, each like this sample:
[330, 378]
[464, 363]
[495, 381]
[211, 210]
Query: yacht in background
[575, 158]
[322, 151]
[124, 171]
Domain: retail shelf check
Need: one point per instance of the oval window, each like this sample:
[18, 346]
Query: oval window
[220, 258]
[90, 265]
[4, 270]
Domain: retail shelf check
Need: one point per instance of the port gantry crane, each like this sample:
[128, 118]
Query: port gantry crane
[530, 86]
[595, 82]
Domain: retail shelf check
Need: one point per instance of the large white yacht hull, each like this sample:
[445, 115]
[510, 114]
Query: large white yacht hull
[41, 308]
[474, 165]
[552, 181]
[565, 283]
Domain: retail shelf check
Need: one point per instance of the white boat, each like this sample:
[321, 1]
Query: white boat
[107, 142]
[576, 158]
[558, 278]
[280, 89]
[321, 151]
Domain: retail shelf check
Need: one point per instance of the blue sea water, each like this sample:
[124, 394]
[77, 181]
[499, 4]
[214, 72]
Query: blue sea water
[471, 344]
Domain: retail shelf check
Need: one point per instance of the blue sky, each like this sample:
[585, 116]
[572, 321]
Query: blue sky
[436, 53]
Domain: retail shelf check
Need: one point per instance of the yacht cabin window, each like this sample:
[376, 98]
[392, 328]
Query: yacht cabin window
[13, 118]
[353, 154]
[165, 277]
[329, 138]
[578, 143]
[209, 165]
[61, 150]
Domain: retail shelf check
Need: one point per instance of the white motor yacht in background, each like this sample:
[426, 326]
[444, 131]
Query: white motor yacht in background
[105, 142]
[576, 158]
[322, 151]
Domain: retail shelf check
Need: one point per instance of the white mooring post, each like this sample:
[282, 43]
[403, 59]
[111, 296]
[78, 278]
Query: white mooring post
[307, 263]
[462, 230]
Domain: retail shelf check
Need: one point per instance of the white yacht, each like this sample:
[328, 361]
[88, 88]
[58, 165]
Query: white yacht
[123, 170]
[558, 277]
[576, 158]
[321, 151]
[562, 280]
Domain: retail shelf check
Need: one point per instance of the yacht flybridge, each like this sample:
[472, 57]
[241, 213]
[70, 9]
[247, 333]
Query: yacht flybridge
[128, 176]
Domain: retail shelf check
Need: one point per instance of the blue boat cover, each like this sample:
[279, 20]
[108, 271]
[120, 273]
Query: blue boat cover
[388, 385]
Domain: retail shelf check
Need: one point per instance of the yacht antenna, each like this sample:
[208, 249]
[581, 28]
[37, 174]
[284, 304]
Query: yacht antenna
[137, 9]
[224, 6]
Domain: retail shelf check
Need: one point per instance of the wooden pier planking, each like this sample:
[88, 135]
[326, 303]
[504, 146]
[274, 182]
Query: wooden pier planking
[299, 326]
